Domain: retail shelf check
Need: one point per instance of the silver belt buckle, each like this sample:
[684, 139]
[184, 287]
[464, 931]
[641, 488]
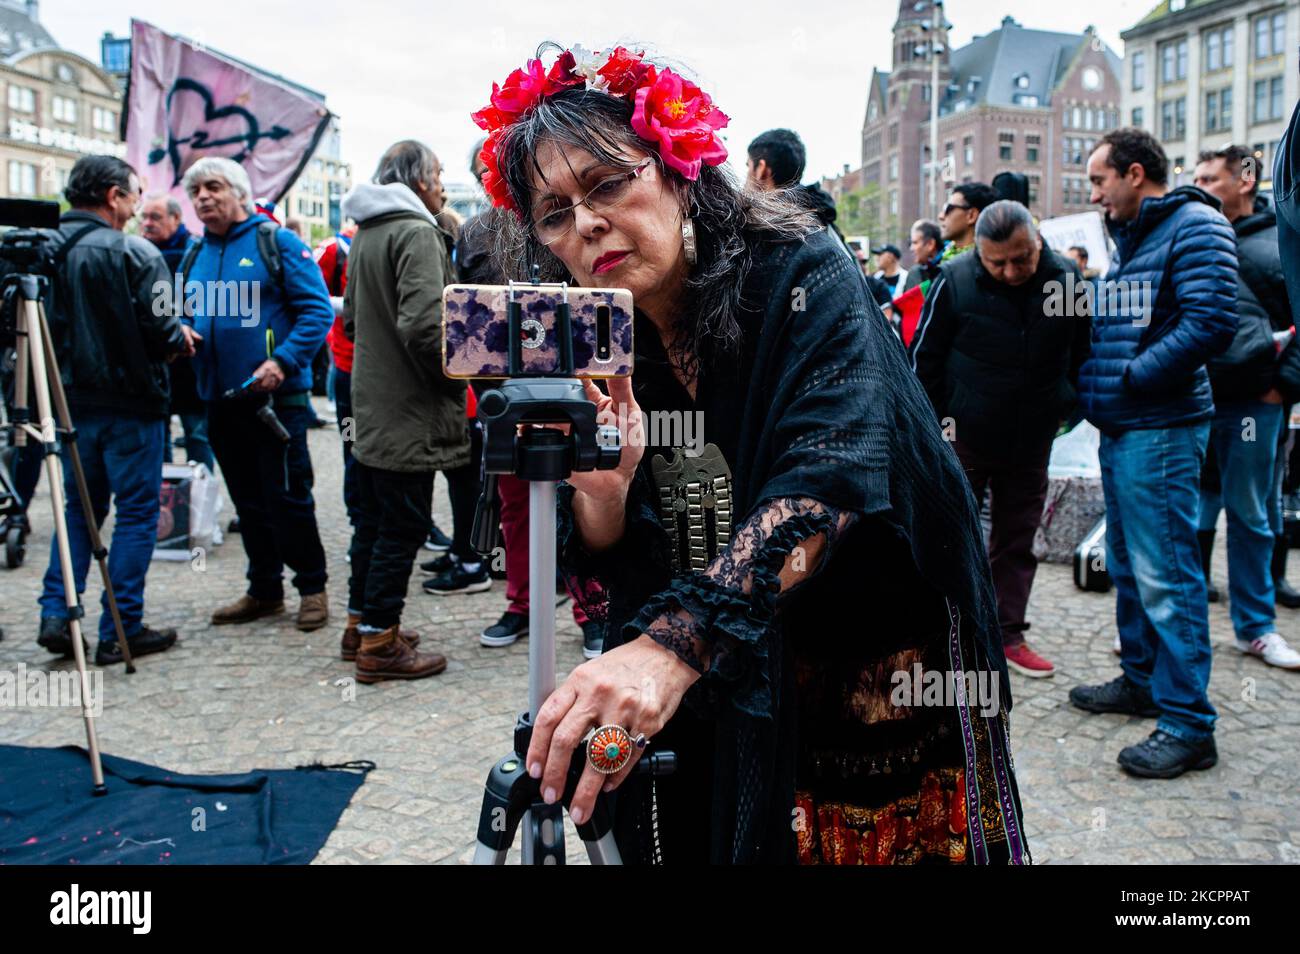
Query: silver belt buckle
[695, 501]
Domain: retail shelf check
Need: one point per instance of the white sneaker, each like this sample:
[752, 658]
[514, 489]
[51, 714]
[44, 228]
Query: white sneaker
[1273, 649]
[1118, 648]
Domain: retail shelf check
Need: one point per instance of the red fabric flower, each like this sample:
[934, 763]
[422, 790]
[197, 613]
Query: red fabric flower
[681, 120]
[624, 71]
[494, 184]
[562, 75]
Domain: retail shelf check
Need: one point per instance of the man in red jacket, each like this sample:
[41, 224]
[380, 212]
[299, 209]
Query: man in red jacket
[332, 257]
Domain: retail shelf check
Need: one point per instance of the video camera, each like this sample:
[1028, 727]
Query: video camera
[23, 251]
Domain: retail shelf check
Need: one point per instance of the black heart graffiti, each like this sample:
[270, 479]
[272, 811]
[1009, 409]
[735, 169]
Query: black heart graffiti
[199, 139]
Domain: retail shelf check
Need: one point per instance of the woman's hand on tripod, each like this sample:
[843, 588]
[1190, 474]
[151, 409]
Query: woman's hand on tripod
[637, 686]
[600, 501]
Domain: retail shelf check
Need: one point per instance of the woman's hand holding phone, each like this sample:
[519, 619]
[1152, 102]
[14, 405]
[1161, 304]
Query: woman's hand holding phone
[600, 500]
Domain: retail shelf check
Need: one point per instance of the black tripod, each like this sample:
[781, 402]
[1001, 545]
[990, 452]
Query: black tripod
[37, 364]
[541, 455]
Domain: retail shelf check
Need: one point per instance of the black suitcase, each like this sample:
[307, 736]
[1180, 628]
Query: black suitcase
[1090, 561]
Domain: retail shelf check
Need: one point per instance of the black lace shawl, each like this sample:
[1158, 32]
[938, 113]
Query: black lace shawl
[824, 427]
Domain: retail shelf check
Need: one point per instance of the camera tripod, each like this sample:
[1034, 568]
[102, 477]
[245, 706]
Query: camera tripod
[514, 443]
[38, 365]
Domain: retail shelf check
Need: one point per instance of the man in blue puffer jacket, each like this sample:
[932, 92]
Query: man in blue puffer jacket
[1166, 307]
[257, 300]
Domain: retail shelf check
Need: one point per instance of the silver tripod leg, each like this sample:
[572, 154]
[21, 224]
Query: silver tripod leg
[39, 373]
[541, 628]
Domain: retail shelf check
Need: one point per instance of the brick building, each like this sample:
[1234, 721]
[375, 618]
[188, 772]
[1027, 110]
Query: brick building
[1018, 100]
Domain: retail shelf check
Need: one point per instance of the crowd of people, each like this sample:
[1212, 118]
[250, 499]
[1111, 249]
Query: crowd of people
[855, 445]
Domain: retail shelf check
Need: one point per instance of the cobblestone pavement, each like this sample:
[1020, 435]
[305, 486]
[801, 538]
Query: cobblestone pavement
[240, 697]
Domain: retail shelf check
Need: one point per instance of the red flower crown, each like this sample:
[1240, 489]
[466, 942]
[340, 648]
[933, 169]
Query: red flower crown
[669, 111]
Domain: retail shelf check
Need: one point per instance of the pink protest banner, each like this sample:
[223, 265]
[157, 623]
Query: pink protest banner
[185, 102]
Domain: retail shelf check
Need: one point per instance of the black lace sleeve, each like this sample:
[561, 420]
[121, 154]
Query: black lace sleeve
[589, 575]
[717, 621]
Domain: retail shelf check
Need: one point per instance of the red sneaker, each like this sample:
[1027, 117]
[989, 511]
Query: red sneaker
[1027, 662]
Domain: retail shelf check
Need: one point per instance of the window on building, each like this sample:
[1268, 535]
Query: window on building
[893, 134]
[925, 92]
[1139, 69]
[22, 178]
[1268, 100]
[1032, 142]
[103, 120]
[1033, 189]
[1173, 61]
[65, 110]
[893, 167]
[22, 99]
[1136, 116]
[1173, 119]
[1076, 118]
[1270, 30]
[1218, 49]
[893, 202]
[1006, 145]
[968, 150]
[1218, 110]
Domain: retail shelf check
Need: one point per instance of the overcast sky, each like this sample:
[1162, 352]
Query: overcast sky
[397, 69]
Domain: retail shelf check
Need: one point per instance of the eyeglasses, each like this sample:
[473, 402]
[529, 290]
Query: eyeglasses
[948, 209]
[604, 196]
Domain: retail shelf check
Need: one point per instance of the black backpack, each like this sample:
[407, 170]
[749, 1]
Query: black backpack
[268, 249]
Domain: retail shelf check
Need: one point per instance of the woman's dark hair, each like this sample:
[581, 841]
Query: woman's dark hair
[91, 178]
[726, 218]
[1130, 145]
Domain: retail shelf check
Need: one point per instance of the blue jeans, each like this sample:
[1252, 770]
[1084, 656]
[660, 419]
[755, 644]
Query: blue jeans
[1245, 443]
[122, 456]
[197, 447]
[1152, 485]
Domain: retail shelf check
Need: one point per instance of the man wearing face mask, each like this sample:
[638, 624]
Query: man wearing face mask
[998, 349]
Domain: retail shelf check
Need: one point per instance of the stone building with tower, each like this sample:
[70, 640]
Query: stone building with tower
[1015, 100]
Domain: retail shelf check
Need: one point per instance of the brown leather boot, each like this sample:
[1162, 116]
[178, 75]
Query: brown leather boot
[245, 610]
[313, 611]
[385, 656]
[352, 639]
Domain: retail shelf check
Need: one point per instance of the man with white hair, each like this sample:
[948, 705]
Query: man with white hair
[263, 310]
[161, 224]
[998, 349]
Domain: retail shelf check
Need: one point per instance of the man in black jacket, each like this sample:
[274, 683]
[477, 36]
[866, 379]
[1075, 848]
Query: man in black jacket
[114, 332]
[1250, 411]
[998, 349]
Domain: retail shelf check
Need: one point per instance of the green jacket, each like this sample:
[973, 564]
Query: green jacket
[409, 417]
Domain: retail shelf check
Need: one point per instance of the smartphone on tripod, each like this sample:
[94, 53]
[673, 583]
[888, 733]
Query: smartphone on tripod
[476, 339]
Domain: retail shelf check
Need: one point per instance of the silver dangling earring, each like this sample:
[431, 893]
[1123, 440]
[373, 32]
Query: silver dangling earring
[688, 239]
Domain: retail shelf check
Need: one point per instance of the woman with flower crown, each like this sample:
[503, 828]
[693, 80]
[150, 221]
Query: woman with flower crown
[801, 610]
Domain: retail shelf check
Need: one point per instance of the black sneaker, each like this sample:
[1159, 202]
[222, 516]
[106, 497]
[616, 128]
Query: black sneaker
[56, 636]
[459, 580]
[1163, 756]
[1118, 695]
[505, 630]
[141, 644]
[437, 542]
[438, 564]
[593, 638]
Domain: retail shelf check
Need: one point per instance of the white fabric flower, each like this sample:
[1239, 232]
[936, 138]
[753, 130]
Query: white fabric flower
[587, 63]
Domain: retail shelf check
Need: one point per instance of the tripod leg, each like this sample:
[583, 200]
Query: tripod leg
[54, 471]
[74, 455]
